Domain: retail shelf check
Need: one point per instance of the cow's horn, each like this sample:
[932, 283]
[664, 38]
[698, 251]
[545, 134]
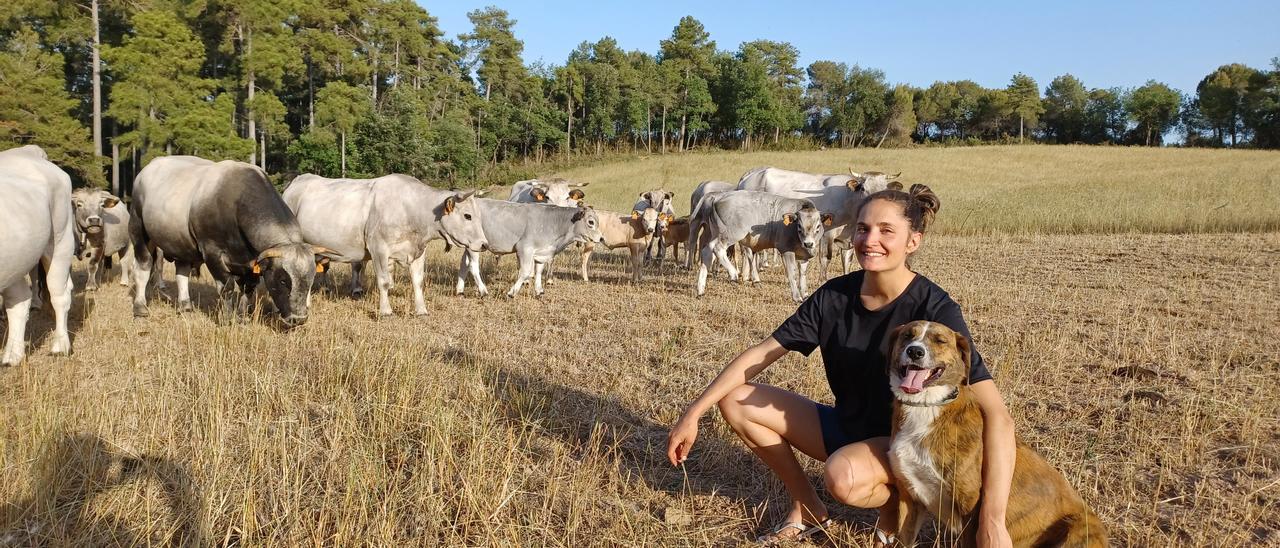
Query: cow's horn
[466, 195]
[270, 253]
[321, 250]
[854, 173]
[894, 176]
[578, 185]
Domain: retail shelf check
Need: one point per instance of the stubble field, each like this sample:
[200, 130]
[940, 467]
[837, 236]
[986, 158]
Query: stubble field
[1139, 355]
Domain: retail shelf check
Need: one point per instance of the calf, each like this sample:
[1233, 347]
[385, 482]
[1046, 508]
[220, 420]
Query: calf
[660, 200]
[102, 227]
[534, 232]
[633, 232]
[757, 221]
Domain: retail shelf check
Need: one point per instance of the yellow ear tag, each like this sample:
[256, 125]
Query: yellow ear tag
[786, 220]
[257, 269]
[320, 267]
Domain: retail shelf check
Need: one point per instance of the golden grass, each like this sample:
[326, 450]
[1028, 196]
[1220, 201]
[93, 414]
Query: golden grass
[1143, 366]
[1010, 189]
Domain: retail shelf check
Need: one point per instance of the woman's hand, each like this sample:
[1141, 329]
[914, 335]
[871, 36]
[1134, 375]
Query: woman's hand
[681, 439]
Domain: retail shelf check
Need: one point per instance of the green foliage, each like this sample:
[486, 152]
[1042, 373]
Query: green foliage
[1105, 118]
[1065, 101]
[1154, 107]
[34, 109]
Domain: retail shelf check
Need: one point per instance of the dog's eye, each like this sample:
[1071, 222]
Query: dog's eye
[939, 339]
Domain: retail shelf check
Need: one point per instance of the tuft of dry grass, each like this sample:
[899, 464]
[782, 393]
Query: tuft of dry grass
[1009, 189]
[1143, 366]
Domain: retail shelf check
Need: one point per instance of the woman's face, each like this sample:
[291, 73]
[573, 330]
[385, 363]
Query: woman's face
[883, 237]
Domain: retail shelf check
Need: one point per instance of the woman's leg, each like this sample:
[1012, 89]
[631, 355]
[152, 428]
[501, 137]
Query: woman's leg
[859, 475]
[771, 421]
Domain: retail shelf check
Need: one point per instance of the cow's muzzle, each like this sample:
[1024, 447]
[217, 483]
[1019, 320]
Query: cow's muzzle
[94, 225]
[294, 320]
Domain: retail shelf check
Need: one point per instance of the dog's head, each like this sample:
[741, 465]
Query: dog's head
[927, 361]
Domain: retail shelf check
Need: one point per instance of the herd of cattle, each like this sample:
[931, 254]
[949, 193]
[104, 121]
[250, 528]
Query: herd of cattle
[227, 217]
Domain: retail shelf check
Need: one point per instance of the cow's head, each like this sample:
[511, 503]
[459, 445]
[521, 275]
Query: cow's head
[558, 192]
[871, 182]
[664, 221]
[586, 225]
[287, 270]
[659, 199]
[647, 219]
[89, 206]
[809, 224]
[460, 218]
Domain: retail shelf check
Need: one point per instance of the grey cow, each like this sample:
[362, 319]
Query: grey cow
[534, 232]
[837, 194]
[755, 221]
[102, 228]
[228, 217]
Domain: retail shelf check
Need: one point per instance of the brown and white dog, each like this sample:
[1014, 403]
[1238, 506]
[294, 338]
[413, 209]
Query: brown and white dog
[936, 452]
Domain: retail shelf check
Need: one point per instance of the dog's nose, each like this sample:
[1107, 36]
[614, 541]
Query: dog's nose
[915, 352]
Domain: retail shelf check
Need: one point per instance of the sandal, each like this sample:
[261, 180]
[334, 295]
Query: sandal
[805, 531]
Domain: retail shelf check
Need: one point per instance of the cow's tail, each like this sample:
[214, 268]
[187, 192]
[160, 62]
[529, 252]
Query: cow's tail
[697, 219]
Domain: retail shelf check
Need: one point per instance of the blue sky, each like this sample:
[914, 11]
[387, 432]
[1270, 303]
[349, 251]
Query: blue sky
[1105, 44]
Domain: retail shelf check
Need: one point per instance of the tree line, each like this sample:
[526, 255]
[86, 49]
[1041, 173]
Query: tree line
[368, 87]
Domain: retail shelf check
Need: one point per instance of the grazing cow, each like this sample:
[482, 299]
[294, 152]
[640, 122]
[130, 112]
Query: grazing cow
[837, 194]
[633, 232]
[102, 227]
[551, 191]
[390, 218]
[228, 217]
[38, 229]
[756, 221]
[660, 200]
[534, 232]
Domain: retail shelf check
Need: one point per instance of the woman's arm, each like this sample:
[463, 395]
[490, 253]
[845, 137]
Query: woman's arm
[998, 455]
[741, 369]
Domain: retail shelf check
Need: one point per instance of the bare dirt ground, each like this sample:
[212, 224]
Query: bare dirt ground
[1144, 367]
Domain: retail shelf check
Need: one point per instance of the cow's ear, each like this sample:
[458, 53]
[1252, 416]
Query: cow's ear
[670, 195]
[449, 204]
[576, 194]
[322, 264]
[258, 265]
[855, 184]
[538, 194]
[826, 219]
[635, 214]
[578, 215]
[110, 202]
[788, 219]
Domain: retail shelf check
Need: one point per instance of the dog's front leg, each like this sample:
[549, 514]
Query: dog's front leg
[911, 516]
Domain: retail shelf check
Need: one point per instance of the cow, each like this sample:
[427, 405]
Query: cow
[228, 217]
[534, 232]
[756, 221]
[837, 194]
[660, 200]
[708, 187]
[675, 231]
[558, 192]
[633, 232]
[38, 228]
[390, 218]
[102, 227]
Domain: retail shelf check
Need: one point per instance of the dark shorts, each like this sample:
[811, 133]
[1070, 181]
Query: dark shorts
[834, 433]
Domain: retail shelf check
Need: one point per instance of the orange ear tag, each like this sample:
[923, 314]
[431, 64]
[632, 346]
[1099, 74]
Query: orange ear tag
[257, 269]
[320, 267]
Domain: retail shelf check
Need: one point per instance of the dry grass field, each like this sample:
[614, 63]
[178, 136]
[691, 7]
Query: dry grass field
[1143, 365]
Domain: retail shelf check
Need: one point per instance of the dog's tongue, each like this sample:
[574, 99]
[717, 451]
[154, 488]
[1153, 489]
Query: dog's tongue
[914, 380]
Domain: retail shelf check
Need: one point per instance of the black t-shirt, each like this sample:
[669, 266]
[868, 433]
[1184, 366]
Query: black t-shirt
[852, 339]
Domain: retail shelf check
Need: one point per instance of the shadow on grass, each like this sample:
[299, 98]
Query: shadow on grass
[75, 469]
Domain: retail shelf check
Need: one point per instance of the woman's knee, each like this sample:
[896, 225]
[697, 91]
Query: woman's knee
[730, 405]
[854, 479]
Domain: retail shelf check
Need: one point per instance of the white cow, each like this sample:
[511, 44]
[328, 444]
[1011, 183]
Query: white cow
[390, 218]
[37, 227]
[558, 192]
[837, 194]
[102, 227]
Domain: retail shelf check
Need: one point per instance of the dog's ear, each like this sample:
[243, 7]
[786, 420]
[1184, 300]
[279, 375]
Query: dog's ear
[889, 343]
[966, 354]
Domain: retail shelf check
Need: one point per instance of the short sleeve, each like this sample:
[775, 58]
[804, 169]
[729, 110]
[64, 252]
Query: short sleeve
[947, 312]
[800, 332]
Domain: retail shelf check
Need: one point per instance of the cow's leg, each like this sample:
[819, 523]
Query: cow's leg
[143, 263]
[826, 247]
[95, 261]
[704, 264]
[126, 266]
[17, 306]
[37, 282]
[382, 273]
[720, 249]
[749, 258]
[357, 280]
[637, 263]
[417, 272]
[474, 267]
[248, 297]
[184, 287]
[460, 286]
[537, 276]
[526, 271]
[804, 279]
[586, 257]
[793, 274]
[58, 276]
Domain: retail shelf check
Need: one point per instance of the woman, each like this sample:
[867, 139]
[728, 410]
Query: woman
[848, 317]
